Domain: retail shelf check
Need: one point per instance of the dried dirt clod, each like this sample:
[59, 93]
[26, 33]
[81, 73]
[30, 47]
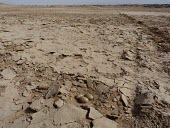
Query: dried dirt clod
[8, 74]
[68, 85]
[90, 83]
[89, 96]
[15, 57]
[59, 103]
[37, 104]
[19, 48]
[63, 90]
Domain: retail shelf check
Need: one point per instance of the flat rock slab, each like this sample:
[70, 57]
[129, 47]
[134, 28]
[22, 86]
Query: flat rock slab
[69, 114]
[108, 82]
[94, 114]
[20, 123]
[40, 116]
[71, 125]
[46, 123]
[8, 74]
[104, 123]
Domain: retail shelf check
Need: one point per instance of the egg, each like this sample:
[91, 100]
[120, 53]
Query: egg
[89, 96]
[83, 99]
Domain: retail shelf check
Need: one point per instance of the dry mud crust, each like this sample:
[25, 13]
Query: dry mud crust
[49, 56]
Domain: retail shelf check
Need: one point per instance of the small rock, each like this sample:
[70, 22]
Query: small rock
[53, 90]
[127, 55]
[94, 114]
[15, 57]
[64, 97]
[115, 99]
[124, 100]
[63, 90]
[68, 85]
[76, 83]
[115, 112]
[29, 88]
[73, 89]
[89, 83]
[128, 111]
[8, 74]
[104, 123]
[125, 91]
[27, 94]
[19, 62]
[80, 84]
[101, 88]
[58, 104]
[89, 96]
[19, 48]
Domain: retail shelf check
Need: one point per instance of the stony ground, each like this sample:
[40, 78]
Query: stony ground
[84, 67]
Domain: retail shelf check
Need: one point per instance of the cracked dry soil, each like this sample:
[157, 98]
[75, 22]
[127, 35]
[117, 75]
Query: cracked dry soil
[84, 67]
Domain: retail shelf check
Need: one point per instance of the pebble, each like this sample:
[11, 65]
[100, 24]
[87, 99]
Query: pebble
[59, 103]
[19, 62]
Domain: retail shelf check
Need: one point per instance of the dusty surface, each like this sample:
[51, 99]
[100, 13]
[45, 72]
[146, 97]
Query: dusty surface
[84, 67]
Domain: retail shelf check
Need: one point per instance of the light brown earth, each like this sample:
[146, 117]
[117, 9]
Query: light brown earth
[51, 56]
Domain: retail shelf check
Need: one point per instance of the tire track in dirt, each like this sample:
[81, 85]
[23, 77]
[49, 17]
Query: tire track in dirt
[162, 38]
[161, 41]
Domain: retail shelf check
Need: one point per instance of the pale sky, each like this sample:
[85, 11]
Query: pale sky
[73, 2]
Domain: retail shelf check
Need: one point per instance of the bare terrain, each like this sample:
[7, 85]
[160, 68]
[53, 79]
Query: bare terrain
[84, 66]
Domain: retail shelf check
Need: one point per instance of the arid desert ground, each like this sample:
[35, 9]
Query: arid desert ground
[84, 66]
